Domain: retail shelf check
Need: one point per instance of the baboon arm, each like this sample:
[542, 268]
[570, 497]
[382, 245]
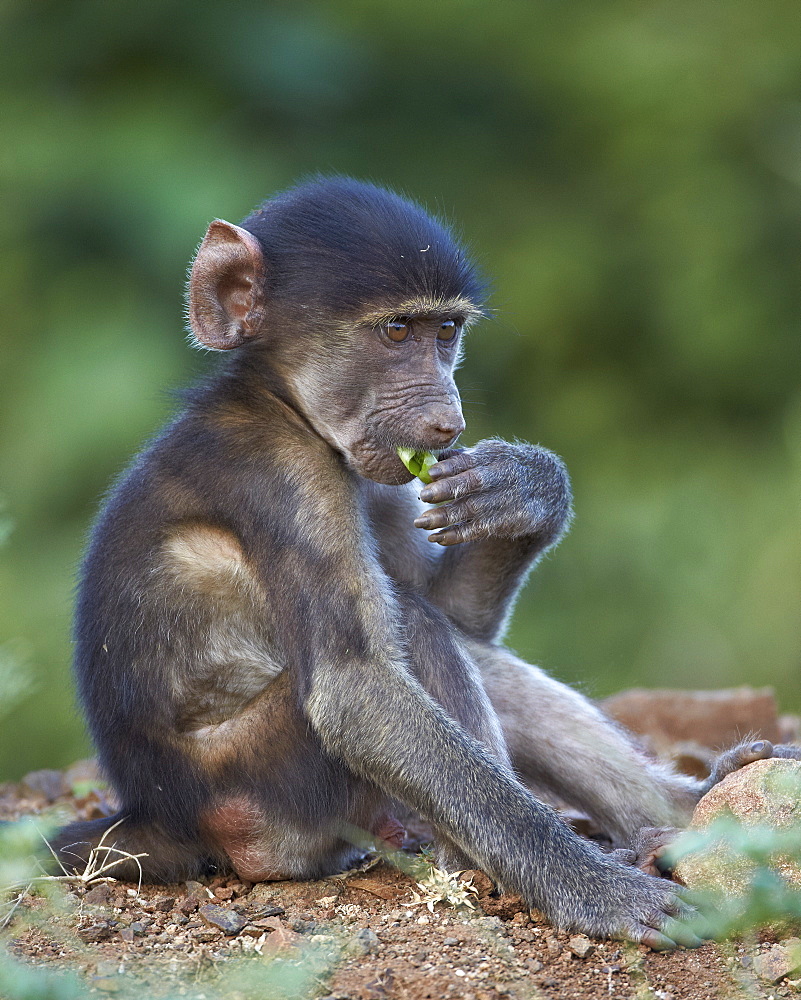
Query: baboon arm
[498, 507]
[377, 719]
[375, 716]
[476, 583]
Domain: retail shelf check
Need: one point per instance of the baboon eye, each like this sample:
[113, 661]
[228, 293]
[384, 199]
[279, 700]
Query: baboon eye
[397, 330]
[448, 330]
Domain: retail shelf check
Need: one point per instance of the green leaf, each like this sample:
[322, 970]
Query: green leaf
[418, 462]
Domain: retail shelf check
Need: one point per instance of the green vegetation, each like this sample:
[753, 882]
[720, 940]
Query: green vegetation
[767, 899]
[628, 177]
[418, 462]
[746, 872]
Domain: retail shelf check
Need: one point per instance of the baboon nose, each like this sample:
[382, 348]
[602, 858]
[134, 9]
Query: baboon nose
[447, 426]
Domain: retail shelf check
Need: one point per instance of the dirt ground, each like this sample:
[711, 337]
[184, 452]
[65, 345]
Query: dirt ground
[366, 935]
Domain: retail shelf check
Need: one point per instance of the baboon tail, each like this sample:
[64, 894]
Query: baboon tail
[116, 840]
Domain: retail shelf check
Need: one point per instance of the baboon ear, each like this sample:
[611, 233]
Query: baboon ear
[226, 288]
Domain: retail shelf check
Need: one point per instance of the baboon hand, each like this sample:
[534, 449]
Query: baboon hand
[637, 907]
[497, 490]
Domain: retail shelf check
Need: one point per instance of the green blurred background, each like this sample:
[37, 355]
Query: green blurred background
[627, 173]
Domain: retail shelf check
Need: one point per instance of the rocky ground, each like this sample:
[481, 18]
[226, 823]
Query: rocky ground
[366, 935]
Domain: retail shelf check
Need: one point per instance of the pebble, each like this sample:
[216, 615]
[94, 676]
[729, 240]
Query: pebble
[268, 911]
[197, 890]
[228, 921]
[98, 895]
[363, 942]
[581, 946]
[95, 932]
[778, 961]
[553, 946]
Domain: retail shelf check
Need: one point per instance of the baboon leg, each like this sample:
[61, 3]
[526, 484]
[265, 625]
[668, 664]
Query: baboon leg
[293, 812]
[563, 745]
[746, 753]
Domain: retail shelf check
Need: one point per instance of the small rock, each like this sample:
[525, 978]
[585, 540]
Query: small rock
[282, 938]
[196, 890]
[762, 792]
[363, 942]
[534, 965]
[553, 946]
[47, 783]
[188, 904]
[127, 934]
[205, 936]
[163, 904]
[94, 932]
[139, 927]
[778, 961]
[268, 911]
[99, 895]
[581, 946]
[228, 921]
[223, 892]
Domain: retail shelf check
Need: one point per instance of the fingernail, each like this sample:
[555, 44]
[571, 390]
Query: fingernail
[758, 747]
[422, 522]
[426, 495]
